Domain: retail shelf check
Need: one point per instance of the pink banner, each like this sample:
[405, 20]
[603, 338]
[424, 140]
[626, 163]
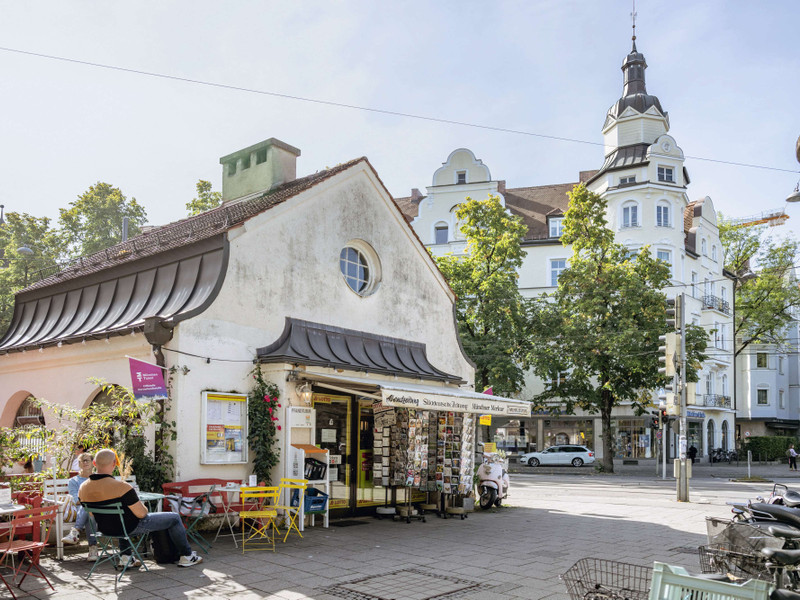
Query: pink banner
[147, 379]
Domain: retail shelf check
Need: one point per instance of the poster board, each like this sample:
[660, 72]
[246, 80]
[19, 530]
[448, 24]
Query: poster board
[224, 429]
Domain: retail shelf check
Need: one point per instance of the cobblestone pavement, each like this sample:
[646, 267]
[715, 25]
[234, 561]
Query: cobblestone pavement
[515, 552]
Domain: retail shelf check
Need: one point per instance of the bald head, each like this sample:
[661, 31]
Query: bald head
[105, 460]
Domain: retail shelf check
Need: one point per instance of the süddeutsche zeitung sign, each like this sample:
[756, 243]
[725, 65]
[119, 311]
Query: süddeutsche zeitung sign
[418, 400]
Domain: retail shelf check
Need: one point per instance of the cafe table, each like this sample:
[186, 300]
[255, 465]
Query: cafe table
[148, 498]
[230, 490]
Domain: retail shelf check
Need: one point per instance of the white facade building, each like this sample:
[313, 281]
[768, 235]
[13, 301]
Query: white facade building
[645, 183]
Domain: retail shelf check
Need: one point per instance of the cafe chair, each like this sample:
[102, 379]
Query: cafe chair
[109, 551]
[193, 509]
[259, 522]
[27, 551]
[295, 491]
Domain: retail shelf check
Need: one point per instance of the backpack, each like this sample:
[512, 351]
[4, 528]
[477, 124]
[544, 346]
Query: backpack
[164, 549]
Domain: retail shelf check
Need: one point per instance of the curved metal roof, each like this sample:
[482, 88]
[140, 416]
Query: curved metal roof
[634, 92]
[173, 285]
[337, 348]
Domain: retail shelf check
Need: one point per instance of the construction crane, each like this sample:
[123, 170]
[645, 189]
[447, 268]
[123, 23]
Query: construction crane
[771, 218]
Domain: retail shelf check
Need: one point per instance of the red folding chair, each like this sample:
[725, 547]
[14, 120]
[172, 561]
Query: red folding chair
[28, 551]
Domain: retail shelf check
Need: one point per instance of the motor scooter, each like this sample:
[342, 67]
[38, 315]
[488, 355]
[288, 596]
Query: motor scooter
[493, 482]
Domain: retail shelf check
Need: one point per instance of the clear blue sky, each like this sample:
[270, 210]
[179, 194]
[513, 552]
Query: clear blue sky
[727, 71]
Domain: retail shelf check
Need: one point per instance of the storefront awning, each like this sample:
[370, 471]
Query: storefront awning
[424, 397]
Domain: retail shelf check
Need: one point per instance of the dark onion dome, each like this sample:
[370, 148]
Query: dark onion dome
[634, 93]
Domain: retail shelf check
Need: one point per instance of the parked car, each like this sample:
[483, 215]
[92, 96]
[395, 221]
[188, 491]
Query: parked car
[566, 454]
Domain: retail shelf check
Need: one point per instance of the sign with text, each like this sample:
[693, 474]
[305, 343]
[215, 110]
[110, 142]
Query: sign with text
[467, 404]
[224, 419]
[147, 380]
[486, 420]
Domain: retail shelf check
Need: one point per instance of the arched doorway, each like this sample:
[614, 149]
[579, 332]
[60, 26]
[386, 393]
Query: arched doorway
[27, 423]
[725, 436]
[710, 437]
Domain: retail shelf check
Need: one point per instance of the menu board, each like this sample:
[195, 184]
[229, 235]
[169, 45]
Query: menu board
[224, 428]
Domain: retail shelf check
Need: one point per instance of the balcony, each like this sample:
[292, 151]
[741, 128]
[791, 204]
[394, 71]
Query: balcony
[717, 401]
[715, 303]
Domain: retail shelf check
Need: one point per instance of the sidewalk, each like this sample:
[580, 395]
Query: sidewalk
[516, 552]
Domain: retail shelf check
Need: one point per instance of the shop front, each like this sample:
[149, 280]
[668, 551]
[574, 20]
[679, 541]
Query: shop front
[516, 436]
[387, 440]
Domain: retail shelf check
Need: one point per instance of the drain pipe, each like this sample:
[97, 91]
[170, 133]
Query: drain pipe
[157, 332]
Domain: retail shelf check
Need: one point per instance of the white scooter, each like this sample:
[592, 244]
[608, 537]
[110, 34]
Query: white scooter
[493, 483]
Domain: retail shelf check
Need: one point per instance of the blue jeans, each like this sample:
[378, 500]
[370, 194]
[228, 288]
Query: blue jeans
[80, 524]
[158, 521]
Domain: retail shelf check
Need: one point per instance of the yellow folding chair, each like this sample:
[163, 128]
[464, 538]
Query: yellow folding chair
[293, 511]
[259, 522]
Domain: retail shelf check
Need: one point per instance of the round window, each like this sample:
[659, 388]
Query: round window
[360, 268]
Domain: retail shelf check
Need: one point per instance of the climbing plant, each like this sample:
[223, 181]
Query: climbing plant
[263, 427]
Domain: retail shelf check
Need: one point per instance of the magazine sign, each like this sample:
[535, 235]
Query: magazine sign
[224, 428]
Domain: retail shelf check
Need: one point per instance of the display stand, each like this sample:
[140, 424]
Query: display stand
[300, 469]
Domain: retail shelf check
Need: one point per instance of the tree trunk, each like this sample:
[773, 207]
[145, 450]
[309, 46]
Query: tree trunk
[608, 442]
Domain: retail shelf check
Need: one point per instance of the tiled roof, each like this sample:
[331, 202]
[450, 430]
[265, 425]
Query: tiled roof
[409, 206]
[534, 204]
[186, 231]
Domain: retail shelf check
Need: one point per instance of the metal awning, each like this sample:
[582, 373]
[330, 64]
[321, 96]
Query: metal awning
[421, 396]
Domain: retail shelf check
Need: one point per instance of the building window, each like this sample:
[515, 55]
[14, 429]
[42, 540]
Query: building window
[724, 385]
[627, 180]
[780, 365]
[246, 162]
[709, 384]
[781, 401]
[762, 398]
[557, 266]
[703, 247]
[662, 215]
[461, 177]
[556, 226]
[708, 287]
[261, 156]
[724, 293]
[761, 360]
[666, 174]
[725, 435]
[714, 252]
[664, 255]
[440, 234]
[232, 168]
[360, 267]
[630, 215]
[694, 284]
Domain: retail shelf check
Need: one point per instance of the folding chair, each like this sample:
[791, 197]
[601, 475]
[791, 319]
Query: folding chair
[295, 498]
[108, 551]
[259, 523]
[27, 551]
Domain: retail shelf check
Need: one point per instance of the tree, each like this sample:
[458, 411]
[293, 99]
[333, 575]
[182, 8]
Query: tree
[595, 339]
[765, 300]
[205, 200]
[94, 221]
[20, 268]
[491, 313]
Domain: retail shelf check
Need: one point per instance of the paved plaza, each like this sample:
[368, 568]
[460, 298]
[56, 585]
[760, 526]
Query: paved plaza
[553, 519]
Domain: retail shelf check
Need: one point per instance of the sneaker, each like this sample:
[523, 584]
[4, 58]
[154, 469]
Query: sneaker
[92, 554]
[190, 561]
[131, 562]
[71, 538]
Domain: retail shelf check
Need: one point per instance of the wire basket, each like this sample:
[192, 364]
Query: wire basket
[744, 537]
[739, 563]
[596, 578]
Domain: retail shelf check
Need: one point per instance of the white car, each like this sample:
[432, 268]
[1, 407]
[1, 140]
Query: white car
[566, 454]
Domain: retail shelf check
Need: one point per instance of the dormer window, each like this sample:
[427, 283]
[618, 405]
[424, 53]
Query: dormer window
[461, 177]
[440, 234]
[556, 226]
[629, 179]
[666, 174]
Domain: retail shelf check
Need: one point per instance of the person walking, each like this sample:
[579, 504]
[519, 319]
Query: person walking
[85, 466]
[102, 489]
[792, 458]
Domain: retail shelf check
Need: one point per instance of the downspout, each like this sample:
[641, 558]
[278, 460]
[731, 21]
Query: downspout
[157, 332]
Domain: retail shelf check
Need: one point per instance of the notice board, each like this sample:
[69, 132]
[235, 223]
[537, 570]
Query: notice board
[224, 428]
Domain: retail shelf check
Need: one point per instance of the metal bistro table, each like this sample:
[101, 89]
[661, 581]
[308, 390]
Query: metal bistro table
[230, 489]
[7, 509]
[148, 498]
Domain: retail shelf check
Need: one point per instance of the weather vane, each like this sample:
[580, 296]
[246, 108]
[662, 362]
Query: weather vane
[633, 19]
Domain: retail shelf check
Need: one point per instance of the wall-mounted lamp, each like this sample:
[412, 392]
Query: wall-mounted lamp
[305, 393]
[795, 195]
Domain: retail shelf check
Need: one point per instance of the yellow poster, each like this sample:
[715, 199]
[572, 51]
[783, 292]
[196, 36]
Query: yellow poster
[486, 420]
[489, 447]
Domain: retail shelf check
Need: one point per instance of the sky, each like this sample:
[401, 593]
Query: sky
[727, 72]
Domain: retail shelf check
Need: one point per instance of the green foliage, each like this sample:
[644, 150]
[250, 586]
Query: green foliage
[205, 200]
[262, 418]
[18, 269]
[596, 336]
[764, 303]
[491, 313]
[10, 449]
[772, 447]
[94, 221]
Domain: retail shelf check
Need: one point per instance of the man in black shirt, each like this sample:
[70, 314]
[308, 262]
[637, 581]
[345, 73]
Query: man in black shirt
[102, 489]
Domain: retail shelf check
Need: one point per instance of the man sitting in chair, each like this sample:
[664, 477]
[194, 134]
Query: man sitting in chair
[102, 489]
